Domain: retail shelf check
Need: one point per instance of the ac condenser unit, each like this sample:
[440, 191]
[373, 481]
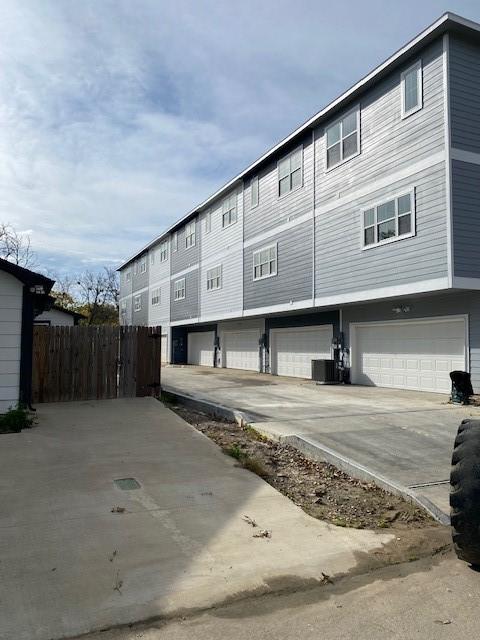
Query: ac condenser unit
[324, 372]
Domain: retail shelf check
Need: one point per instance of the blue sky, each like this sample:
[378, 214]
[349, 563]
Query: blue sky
[118, 117]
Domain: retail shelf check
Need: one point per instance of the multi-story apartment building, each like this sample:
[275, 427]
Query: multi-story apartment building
[361, 229]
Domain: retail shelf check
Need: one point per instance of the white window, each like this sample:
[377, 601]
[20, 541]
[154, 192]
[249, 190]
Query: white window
[175, 242]
[155, 296]
[137, 303]
[179, 289]
[343, 139]
[128, 275]
[123, 310]
[390, 220]
[411, 83]
[164, 251]
[190, 234]
[214, 278]
[208, 222]
[290, 172]
[152, 257]
[143, 264]
[229, 210]
[254, 192]
[265, 263]
[135, 267]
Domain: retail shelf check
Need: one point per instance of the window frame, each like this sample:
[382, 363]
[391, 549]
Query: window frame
[268, 275]
[356, 109]
[182, 288]
[208, 222]
[175, 241]
[418, 66]
[156, 297]
[128, 275]
[395, 197]
[137, 298]
[218, 277]
[232, 196]
[143, 264]
[255, 180]
[190, 236]
[152, 257]
[163, 251]
[288, 157]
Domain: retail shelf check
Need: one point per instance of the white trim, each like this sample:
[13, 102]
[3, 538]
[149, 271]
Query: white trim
[413, 219]
[448, 157]
[137, 298]
[466, 283]
[355, 108]
[160, 282]
[182, 288]
[274, 231]
[218, 277]
[465, 156]
[225, 316]
[394, 59]
[275, 332]
[174, 242]
[376, 185]
[274, 245]
[419, 69]
[353, 326]
[180, 323]
[293, 306]
[183, 272]
[282, 159]
[257, 180]
[142, 290]
[193, 235]
[158, 290]
[425, 286]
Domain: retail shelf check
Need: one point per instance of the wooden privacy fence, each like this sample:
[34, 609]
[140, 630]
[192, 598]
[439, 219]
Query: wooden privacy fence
[95, 363]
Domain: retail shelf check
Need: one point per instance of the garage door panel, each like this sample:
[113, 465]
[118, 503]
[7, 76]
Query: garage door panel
[410, 355]
[201, 348]
[293, 349]
[241, 350]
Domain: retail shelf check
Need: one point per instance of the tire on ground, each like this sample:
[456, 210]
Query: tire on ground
[465, 492]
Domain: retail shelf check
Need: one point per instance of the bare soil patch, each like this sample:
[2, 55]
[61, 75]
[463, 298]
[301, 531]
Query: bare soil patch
[320, 489]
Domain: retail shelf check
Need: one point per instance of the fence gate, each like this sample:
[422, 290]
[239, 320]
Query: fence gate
[95, 363]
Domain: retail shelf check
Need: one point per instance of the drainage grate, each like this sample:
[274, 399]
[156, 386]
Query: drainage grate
[127, 484]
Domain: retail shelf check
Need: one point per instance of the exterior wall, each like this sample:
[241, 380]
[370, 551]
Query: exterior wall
[140, 280]
[222, 246]
[185, 258]
[293, 281]
[444, 304]
[466, 219]
[464, 68]
[159, 277]
[56, 318]
[188, 308]
[126, 318]
[272, 209]
[11, 292]
[140, 318]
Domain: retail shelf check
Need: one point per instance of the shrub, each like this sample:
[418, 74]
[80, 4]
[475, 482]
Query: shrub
[15, 420]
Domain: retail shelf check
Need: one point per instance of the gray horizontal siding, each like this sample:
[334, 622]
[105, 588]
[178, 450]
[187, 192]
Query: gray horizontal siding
[294, 269]
[187, 308]
[141, 317]
[184, 258]
[466, 219]
[140, 280]
[342, 266]
[125, 287]
[464, 76]
[273, 210]
[388, 142]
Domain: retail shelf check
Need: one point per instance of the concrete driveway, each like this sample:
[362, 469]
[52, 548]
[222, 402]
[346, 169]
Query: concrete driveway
[70, 562]
[403, 437]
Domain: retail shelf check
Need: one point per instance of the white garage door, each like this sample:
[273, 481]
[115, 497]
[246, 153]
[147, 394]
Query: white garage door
[413, 354]
[240, 350]
[200, 348]
[164, 354]
[292, 350]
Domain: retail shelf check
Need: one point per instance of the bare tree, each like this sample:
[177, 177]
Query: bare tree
[98, 296]
[16, 247]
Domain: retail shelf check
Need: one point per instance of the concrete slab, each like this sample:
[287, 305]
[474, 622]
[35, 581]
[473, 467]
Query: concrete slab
[69, 565]
[404, 436]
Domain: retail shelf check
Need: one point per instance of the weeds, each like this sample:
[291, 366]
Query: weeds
[248, 462]
[15, 420]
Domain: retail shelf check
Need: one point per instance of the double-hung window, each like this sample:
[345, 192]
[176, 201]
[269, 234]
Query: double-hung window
[155, 296]
[164, 252]
[343, 139]
[254, 192]
[123, 309]
[411, 84]
[214, 278]
[208, 222]
[179, 290]
[389, 220]
[137, 303]
[175, 242]
[290, 172]
[128, 275]
[265, 263]
[143, 264]
[152, 257]
[190, 234]
[229, 210]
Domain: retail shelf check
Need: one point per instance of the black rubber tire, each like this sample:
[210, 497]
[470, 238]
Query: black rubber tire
[465, 492]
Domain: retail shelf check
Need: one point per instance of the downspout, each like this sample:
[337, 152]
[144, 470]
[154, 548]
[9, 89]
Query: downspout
[313, 220]
[26, 349]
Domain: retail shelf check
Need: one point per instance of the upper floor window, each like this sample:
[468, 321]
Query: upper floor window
[143, 264]
[155, 296]
[343, 139]
[164, 251]
[175, 241]
[128, 275]
[152, 257]
[137, 303]
[190, 234]
[135, 267]
[411, 83]
[179, 289]
[208, 222]
[214, 278]
[265, 263]
[254, 192]
[123, 310]
[290, 172]
[389, 220]
[229, 210]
